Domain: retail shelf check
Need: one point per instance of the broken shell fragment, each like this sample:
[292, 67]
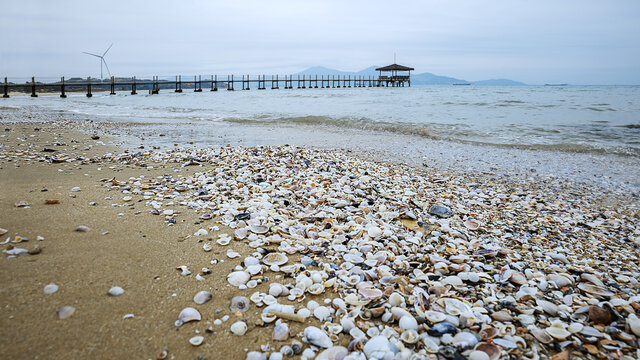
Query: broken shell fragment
[116, 291]
[51, 288]
[196, 340]
[65, 312]
[202, 297]
[239, 304]
[189, 314]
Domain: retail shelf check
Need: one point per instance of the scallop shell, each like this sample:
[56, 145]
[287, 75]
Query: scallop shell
[241, 233]
[275, 259]
[189, 314]
[202, 297]
[239, 328]
[207, 247]
[238, 278]
[490, 349]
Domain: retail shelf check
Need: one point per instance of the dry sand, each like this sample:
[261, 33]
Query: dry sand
[139, 253]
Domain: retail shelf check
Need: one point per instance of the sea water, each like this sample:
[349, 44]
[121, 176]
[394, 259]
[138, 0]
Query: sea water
[603, 119]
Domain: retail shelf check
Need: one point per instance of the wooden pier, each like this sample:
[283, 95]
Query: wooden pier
[212, 82]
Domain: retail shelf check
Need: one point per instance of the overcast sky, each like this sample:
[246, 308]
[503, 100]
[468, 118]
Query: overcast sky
[567, 41]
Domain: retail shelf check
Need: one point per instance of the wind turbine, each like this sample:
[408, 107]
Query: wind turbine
[102, 61]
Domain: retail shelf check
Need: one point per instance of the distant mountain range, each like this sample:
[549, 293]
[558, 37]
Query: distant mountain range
[416, 79]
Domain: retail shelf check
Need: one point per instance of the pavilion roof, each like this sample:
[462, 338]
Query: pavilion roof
[394, 67]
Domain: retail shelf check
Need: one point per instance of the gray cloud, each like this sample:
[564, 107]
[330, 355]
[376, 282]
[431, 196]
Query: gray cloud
[581, 42]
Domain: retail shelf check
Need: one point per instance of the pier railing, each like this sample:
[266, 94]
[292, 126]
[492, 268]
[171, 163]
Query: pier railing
[196, 83]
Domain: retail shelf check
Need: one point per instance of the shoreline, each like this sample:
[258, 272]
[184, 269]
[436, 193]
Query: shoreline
[540, 228]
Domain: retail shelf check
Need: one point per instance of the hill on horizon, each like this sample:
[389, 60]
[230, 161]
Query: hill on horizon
[424, 78]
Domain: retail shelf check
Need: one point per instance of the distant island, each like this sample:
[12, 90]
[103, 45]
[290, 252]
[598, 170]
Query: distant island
[416, 79]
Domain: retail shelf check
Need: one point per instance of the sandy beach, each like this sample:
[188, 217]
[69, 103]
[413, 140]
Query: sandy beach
[514, 268]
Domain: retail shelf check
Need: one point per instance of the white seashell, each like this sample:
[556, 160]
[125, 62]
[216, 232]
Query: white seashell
[275, 259]
[202, 297]
[254, 269]
[374, 231]
[353, 299]
[239, 328]
[347, 324]
[268, 317]
[232, 254]
[352, 258]
[557, 331]
[464, 340]
[408, 322]
[200, 277]
[377, 347]
[370, 293]
[316, 289]
[305, 313]
[398, 313]
[196, 340]
[201, 232]
[280, 331]
[259, 229]
[275, 289]
[434, 316]
[357, 334]
[322, 313]
[396, 299]
[317, 337]
[238, 278]
[224, 241]
[409, 336]
[189, 314]
[452, 281]
[65, 311]
[269, 300]
[184, 270]
[478, 355]
[207, 247]
[51, 288]
[333, 353]
[116, 291]
[634, 324]
[241, 233]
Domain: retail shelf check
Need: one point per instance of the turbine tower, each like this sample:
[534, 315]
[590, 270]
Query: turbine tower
[102, 61]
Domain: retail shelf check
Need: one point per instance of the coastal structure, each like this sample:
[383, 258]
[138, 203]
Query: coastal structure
[400, 75]
[395, 79]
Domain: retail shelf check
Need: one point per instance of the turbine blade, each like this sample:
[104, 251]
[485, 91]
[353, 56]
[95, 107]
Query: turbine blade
[105, 52]
[107, 66]
[91, 54]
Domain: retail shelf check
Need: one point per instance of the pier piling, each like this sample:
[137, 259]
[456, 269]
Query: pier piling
[112, 86]
[133, 86]
[6, 88]
[178, 84]
[33, 87]
[89, 94]
[62, 94]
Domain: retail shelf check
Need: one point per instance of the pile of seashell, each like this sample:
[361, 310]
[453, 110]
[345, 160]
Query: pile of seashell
[381, 261]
